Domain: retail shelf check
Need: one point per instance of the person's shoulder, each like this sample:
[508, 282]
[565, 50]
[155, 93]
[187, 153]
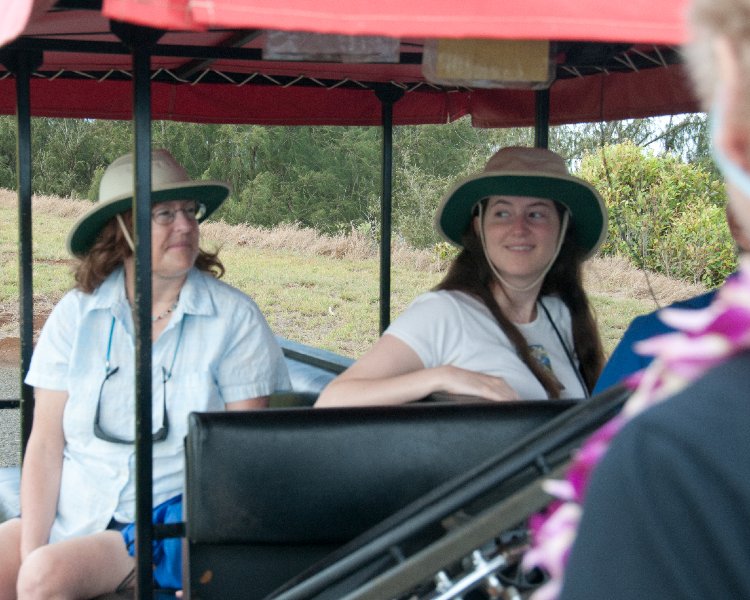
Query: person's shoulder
[713, 405]
[644, 326]
[75, 301]
[221, 290]
[206, 295]
[650, 324]
[452, 300]
[667, 453]
[438, 308]
[696, 302]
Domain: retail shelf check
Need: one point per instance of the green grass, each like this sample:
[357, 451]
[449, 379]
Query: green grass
[324, 302]
[331, 303]
[614, 315]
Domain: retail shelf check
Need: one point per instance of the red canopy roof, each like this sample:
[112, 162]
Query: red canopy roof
[210, 67]
[594, 20]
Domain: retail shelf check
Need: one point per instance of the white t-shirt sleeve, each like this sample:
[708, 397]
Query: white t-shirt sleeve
[430, 326]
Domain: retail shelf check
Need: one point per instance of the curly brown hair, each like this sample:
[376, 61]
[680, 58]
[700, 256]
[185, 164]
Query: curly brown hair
[111, 249]
[470, 273]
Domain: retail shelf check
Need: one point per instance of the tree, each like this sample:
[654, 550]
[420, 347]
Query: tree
[428, 160]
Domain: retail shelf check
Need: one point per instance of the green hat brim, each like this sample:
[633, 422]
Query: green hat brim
[85, 231]
[588, 212]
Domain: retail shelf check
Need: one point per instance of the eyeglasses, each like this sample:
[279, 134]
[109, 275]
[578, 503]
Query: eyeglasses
[158, 436]
[194, 211]
[166, 375]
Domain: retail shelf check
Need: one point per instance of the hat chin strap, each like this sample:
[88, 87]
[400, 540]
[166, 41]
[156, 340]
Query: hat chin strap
[543, 274]
[125, 232]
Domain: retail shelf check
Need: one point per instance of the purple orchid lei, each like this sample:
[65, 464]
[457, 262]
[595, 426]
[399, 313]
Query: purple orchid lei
[703, 339]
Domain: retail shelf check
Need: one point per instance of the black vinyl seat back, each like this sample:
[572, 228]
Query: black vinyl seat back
[269, 493]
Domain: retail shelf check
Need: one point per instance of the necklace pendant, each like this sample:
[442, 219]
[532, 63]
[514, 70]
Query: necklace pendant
[159, 317]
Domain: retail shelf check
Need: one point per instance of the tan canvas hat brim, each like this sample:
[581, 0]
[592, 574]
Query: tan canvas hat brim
[588, 213]
[84, 232]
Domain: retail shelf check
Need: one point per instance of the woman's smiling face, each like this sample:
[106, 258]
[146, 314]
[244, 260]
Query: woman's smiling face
[521, 235]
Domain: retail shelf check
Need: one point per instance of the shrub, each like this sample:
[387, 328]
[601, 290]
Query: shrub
[699, 247]
[665, 215]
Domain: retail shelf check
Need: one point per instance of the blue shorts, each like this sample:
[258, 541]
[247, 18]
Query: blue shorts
[167, 552]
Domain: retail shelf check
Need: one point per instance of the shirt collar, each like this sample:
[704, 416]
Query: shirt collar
[111, 294]
[195, 298]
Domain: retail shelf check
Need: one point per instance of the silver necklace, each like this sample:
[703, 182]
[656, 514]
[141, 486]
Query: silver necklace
[159, 317]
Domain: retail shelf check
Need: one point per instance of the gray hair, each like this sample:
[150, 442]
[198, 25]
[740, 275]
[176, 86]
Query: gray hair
[709, 20]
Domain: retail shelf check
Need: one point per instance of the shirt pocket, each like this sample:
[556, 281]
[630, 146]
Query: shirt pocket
[186, 393]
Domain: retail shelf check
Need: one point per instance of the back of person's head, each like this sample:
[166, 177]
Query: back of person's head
[709, 20]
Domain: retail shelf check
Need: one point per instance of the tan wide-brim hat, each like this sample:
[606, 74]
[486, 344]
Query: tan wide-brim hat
[529, 172]
[169, 181]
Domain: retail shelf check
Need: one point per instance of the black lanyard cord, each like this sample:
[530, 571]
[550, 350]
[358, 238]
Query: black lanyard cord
[567, 351]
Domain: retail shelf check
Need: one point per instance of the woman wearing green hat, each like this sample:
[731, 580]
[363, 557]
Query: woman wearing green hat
[510, 320]
[212, 350]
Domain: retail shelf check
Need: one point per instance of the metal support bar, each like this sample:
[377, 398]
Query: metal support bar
[541, 131]
[141, 40]
[458, 543]
[235, 40]
[143, 383]
[23, 64]
[163, 50]
[388, 95]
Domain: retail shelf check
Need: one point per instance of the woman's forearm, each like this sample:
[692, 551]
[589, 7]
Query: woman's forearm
[40, 487]
[360, 391]
[42, 470]
[399, 389]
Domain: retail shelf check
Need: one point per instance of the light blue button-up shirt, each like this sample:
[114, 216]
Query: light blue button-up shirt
[226, 353]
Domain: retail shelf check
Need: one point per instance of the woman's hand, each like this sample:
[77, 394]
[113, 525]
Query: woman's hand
[455, 380]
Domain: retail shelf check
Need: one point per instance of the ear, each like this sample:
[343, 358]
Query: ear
[733, 135]
[476, 224]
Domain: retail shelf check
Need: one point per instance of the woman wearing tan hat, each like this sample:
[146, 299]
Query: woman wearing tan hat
[510, 320]
[212, 350]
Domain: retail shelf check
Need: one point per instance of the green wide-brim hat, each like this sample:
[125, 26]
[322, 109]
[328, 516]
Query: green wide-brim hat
[169, 181]
[529, 172]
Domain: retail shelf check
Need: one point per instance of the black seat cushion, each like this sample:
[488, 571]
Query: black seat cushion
[291, 485]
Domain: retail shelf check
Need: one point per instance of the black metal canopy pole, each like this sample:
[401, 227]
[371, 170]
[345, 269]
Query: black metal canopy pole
[141, 39]
[541, 130]
[387, 95]
[23, 64]
[143, 384]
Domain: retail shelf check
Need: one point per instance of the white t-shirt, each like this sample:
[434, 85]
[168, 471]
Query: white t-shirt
[454, 328]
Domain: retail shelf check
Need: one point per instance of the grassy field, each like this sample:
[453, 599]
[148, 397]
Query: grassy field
[313, 289]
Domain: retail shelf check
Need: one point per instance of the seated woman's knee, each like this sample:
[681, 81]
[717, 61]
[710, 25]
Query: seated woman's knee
[42, 575]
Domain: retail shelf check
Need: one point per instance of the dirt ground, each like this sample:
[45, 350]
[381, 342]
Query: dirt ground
[10, 352]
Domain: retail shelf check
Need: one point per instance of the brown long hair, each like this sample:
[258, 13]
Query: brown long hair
[111, 249]
[470, 273]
